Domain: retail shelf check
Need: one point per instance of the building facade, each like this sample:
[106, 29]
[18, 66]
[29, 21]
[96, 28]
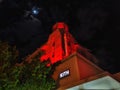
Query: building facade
[77, 69]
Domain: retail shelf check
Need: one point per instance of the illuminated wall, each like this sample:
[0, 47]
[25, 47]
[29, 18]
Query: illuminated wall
[60, 44]
[106, 82]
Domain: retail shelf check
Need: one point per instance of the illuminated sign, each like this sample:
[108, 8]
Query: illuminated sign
[64, 74]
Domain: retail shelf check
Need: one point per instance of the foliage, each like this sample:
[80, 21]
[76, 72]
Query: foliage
[27, 76]
[39, 74]
[8, 56]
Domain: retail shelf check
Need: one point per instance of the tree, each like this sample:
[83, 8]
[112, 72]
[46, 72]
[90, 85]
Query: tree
[8, 57]
[28, 76]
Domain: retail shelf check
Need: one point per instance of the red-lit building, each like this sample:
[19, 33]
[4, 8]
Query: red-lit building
[77, 70]
[61, 44]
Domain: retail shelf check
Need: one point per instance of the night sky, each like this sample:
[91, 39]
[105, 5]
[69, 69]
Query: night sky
[95, 24]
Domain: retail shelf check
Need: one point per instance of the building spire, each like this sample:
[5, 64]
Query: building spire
[61, 44]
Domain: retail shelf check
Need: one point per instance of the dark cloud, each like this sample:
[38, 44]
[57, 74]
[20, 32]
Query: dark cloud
[27, 35]
[91, 20]
[1, 1]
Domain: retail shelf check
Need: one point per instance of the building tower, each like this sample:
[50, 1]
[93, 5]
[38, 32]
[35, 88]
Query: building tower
[61, 44]
[76, 70]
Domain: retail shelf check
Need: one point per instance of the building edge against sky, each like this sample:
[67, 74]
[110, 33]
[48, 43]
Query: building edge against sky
[77, 70]
[83, 74]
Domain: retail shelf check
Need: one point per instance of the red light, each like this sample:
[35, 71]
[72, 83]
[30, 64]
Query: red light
[60, 25]
[59, 45]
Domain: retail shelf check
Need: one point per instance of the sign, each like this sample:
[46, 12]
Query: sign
[64, 74]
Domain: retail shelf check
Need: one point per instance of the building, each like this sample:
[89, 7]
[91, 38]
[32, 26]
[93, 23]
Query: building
[76, 70]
